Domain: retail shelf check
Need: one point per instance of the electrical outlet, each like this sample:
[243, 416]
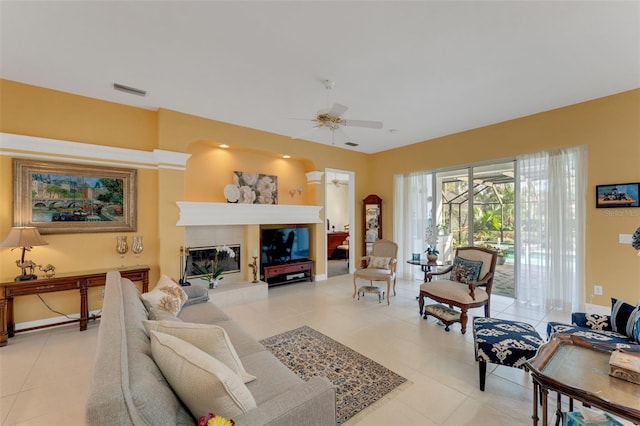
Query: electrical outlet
[597, 290]
[102, 292]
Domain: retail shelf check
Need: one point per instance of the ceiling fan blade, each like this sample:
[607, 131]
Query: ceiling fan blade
[363, 123]
[337, 110]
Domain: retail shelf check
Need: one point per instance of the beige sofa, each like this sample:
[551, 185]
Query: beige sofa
[129, 389]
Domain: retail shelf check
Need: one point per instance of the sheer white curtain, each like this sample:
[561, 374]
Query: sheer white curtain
[551, 209]
[412, 213]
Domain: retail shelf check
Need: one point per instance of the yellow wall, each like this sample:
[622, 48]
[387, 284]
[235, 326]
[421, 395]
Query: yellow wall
[609, 126]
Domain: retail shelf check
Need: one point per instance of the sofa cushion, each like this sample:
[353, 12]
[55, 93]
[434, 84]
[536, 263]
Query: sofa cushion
[452, 290]
[202, 382]
[594, 336]
[592, 321]
[205, 313]
[465, 271]
[243, 342]
[167, 296]
[195, 294]
[209, 338]
[621, 313]
[273, 376]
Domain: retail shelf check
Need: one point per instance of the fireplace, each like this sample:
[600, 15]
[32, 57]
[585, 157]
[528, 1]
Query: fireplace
[200, 260]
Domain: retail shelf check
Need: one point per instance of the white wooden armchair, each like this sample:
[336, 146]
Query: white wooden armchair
[466, 284]
[380, 266]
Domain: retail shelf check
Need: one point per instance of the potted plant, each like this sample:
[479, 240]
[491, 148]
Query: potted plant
[431, 238]
[432, 254]
[213, 275]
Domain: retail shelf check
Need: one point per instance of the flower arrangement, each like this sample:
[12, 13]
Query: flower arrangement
[216, 270]
[213, 420]
[431, 238]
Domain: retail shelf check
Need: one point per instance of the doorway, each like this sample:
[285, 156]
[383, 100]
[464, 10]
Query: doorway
[340, 217]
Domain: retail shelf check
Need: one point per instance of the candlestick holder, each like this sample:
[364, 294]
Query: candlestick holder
[254, 267]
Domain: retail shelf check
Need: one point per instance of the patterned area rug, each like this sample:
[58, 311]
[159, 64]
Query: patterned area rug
[359, 381]
[504, 282]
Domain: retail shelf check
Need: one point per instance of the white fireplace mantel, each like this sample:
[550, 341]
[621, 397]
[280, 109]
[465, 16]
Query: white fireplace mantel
[199, 214]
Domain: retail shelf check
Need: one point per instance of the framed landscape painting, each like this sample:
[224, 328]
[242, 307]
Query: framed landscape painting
[618, 195]
[60, 198]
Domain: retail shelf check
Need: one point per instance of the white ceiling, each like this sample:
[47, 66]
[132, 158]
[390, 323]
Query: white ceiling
[425, 69]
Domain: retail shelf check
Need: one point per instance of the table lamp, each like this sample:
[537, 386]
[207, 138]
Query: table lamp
[24, 237]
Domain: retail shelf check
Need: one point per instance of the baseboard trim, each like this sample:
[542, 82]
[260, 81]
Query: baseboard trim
[37, 325]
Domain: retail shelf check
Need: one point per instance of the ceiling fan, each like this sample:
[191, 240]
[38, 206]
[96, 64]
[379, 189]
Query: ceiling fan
[332, 119]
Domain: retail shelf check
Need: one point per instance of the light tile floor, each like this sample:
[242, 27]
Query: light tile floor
[45, 375]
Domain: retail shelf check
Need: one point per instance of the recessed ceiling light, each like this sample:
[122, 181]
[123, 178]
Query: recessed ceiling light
[223, 145]
[286, 156]
[129, 89]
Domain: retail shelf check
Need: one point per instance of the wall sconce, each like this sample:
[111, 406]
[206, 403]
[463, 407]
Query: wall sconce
[293, 191]
[24, 237]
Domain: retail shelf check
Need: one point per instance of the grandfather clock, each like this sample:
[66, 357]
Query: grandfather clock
[372, 222]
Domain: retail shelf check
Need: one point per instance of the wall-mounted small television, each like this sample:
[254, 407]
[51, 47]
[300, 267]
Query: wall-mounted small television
[618, 195]
[279, 245]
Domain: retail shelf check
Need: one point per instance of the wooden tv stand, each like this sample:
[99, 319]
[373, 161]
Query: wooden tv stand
[277, 274]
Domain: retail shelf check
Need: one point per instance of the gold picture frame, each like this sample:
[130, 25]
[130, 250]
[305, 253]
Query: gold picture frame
[64, 198]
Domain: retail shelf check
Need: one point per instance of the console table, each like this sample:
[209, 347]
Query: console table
[288, 273]
[576, 368]
[81, 281]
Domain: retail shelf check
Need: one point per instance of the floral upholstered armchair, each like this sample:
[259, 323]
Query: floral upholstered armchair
[380, 266]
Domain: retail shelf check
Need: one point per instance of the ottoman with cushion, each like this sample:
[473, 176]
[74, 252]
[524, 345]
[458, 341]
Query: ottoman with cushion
[503, 342]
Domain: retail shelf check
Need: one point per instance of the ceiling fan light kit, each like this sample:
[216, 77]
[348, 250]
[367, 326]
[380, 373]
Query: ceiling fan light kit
[332, 119]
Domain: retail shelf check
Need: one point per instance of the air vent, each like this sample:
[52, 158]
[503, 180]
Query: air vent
[351, 143]
[130, 90]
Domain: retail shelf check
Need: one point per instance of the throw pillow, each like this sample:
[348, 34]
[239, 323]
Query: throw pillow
[465, 271]
[376, 262]
[202, 383]
[166, 296]
[195, 294]
[632, 323]
[620, 314]
[211, 339]
[636, 331]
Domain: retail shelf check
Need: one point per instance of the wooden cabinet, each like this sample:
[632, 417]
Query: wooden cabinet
[371, 222]
[77, 281]
[288, 273]
[335, 239]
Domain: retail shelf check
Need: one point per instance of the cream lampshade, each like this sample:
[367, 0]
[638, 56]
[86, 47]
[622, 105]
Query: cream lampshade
[24, 237]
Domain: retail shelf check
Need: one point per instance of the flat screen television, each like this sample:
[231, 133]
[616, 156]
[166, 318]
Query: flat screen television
[281, 245]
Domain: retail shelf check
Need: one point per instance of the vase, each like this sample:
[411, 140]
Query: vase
[432, 258]
[213, 284]
[121, 246]
[137, 247]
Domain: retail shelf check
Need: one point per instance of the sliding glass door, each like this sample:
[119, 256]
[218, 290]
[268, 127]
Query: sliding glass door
[540, 254]
[476, 207]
